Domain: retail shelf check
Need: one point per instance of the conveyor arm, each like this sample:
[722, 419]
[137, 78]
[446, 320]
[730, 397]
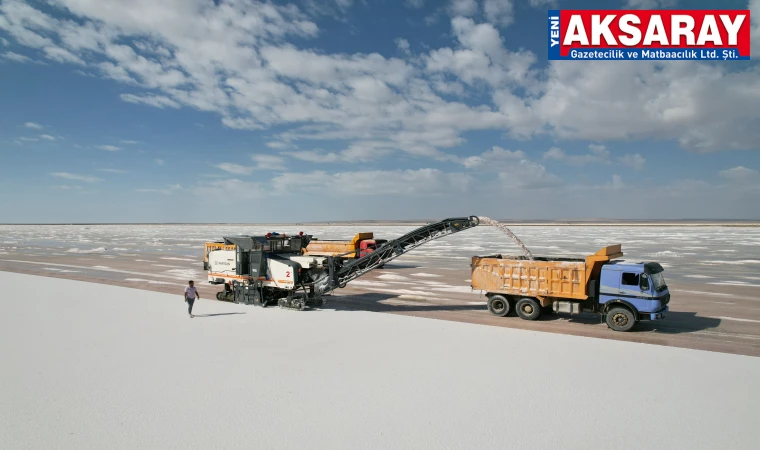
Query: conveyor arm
[339, 276]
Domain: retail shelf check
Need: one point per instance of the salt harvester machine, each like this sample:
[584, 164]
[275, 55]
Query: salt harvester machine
[275, 269]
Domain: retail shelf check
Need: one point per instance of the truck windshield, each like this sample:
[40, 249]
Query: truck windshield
[658, 279]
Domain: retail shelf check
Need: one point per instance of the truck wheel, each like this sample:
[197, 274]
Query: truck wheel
[498, 305]
[620, 319]
[528, 308]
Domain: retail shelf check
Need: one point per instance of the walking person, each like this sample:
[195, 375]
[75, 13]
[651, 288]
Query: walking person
[190, 295]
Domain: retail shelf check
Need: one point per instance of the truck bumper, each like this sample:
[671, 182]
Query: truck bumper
[656, 315]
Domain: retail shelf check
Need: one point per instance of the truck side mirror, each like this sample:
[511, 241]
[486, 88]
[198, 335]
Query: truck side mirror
[644, 282]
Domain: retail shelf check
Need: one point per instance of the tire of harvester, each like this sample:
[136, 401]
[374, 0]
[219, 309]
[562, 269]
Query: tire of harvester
[620, 319]
[528, 308]
[498, 305]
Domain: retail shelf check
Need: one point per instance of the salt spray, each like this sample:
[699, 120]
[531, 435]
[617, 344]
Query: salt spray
[509, 233]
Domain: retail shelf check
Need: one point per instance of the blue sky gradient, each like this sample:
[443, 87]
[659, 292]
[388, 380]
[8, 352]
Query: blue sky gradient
[191, 111]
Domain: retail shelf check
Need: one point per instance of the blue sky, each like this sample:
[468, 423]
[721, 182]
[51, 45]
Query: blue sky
[241, 111]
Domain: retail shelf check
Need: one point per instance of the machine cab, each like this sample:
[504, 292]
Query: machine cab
[640, 286]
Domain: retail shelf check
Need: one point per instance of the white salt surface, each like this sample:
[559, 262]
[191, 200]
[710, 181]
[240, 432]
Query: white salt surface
[95, 366]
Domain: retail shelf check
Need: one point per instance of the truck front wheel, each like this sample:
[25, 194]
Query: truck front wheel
[498, 305]
[528, 308]
[620, 319]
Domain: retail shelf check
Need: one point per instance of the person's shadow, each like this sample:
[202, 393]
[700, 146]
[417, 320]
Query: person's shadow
[218, 314]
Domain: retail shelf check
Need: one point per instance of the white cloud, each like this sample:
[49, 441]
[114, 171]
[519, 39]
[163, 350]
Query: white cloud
[316, 156]
[108, 148]
[278, 144]
[403, 45]
[599, 150]
[233, 60]
[15, 57]
[28, 139]
[66, 187]
[358, 152]
[702, 107]
[129, 142]
[4, 42]
[33, 125]
[160, 162]
[62, 55]
[463, 7]
[375, 182]
[528, 175]
[159, 101]
[740, 173]
[262, 163]
[598, 155]
[235, 168]
[635, 161]
[270, 162]
[113, 170]
[493, 159]
[499, 12]
[76, 177]
[48, 137]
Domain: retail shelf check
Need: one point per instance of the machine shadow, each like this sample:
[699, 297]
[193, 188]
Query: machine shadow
[218, 314]
[370, 301]
[675, 322]
[390, 266]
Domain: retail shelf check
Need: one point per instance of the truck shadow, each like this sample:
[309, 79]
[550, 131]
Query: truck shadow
[676, 322]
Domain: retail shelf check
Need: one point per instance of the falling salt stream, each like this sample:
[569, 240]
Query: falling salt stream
[509, 233]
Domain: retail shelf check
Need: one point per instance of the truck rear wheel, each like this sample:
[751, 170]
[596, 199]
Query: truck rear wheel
[528, 308]
[620, 319]
[498, 305]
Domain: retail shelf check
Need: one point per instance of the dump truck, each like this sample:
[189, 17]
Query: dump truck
[360, 245]
[622, 292]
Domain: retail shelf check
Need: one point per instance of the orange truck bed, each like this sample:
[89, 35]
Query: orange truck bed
[542, 278]
[335, 248]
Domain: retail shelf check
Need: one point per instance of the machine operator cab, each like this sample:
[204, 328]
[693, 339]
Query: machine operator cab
[249, 257]
[639, 286]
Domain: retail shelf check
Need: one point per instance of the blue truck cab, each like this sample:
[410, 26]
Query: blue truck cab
[630, 292]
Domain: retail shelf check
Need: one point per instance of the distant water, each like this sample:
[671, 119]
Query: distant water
[729, 255]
